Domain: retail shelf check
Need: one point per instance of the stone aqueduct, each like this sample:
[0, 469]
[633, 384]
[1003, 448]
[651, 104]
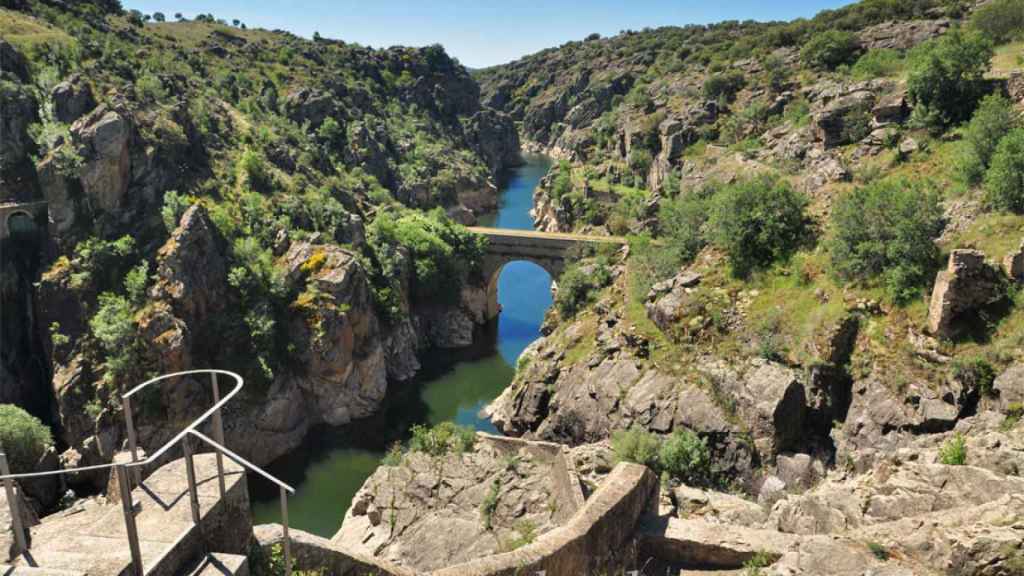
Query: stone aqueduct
[549, 250]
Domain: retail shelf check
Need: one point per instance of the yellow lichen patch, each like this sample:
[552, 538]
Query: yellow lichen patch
[314, 263]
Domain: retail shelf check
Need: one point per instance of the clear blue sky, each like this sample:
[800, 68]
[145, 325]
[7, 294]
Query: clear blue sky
[480, 32]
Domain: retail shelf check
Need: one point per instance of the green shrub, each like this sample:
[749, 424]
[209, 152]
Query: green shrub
[441, 439]
[886, 229]
[723, 86]
[685, 456]
[753, 566]
[947, 77]
[1001, 20]
[442, 253]
[1014, 413]
[993, 119]
[636, 445]
[878, 63]
[976, 374]
[577, 284]
[1004, 181]
[174, 207]
[23, 438]
[757, 222]
[114, 326]
[954, 451]
[489, 505]
[878, 551]
[829, 49]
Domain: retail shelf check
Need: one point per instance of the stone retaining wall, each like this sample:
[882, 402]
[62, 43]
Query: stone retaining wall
[596, 537]
[567, 489]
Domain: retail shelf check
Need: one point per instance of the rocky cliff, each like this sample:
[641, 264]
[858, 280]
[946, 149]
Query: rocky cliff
[212, 194]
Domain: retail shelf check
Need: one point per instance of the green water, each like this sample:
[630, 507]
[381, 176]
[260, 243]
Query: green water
[332, 464]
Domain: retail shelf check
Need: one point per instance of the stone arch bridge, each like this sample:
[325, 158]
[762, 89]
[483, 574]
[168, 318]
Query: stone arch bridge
[36, 212]
[549, 250]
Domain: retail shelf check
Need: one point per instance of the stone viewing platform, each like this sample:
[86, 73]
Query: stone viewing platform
[90, 537]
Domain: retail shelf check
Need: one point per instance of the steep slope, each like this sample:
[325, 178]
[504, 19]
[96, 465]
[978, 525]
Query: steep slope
[222, 196]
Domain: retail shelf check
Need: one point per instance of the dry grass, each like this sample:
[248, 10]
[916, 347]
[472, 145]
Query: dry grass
[1008, 58]
[26, 32]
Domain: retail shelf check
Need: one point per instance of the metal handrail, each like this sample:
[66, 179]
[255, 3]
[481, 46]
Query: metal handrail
[241, 461]
[122, 470]
[167, 445]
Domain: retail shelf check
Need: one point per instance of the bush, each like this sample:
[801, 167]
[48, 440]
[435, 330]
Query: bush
[636, 445]
[441, 439]
[441, 252]
[947, 77]
[757, 222]
[975, 374]
[954, 451]
[577, 284]
[174, 207]
[829, 49]
[685, 456]
[23, 438]
[993, 119]
[878, 63]
[1004, 181]
[1001, 20]
[723, 86]
[886, 230]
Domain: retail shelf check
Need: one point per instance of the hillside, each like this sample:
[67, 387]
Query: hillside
[222, 196]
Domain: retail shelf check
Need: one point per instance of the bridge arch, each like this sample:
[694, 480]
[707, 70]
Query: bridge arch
[11, 213]
[548, 250]
[493, 267]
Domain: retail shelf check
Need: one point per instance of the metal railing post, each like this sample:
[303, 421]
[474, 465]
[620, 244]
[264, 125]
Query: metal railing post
[218, 435]
[287, 540]
[190, 471]
[124, 485]
[129, 422]
[12, 503]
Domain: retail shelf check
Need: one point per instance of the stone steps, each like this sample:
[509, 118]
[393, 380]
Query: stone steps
[93, 539]
[8, 570]
[221, 565]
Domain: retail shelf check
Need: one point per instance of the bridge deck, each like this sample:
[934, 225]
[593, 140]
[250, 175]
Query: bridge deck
[509, 232]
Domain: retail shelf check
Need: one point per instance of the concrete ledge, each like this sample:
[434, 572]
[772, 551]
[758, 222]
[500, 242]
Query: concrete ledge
[703, 543]
[312, 552]
[593, 539]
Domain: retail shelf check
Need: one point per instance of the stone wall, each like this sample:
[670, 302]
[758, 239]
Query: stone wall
[567, 492]
[595, 537]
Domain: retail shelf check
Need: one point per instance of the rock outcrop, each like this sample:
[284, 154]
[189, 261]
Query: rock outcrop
[192, 270]
[499, 496]
[72, 99]
[967, 284]
[1013, 263]
[901, 35]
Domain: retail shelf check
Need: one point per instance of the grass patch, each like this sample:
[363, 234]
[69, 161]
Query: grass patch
[1007, 59]
[878, 551]
[995, 234]
[27, 33]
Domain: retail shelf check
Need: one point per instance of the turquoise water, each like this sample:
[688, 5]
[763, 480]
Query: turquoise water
[333, 463]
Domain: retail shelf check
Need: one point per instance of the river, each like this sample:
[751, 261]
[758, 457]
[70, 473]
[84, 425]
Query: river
[333, 463]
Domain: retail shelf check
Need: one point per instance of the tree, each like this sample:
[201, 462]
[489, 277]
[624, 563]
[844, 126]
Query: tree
[829, 49]
[178, 16]
[993, 119]
[947, 77]
[23, 437]
[1004, 182]
[236, 22]
[723, 86]
[159, 17]
[1001, 20]
[887, 230]
[757, 222]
